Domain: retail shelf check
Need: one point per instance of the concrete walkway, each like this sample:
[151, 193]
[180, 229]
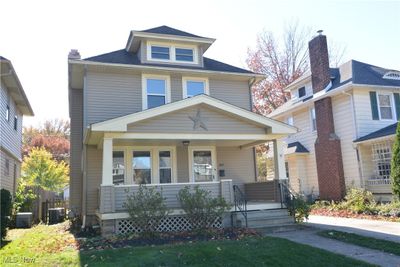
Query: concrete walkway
[308, 236]
[372, 228]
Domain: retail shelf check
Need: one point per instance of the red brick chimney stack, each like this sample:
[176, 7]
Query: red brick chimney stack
[328, 151]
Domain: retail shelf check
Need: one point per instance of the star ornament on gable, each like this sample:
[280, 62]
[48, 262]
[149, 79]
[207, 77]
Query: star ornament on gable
[198, 122]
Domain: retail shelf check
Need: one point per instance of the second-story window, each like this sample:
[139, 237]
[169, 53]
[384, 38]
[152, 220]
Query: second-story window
[302, 92]
[15, 122]
[8, 113]
[156, 91]
[184, 54]
[160, 52]
[385, 106]
[313, 120]
[194, 86]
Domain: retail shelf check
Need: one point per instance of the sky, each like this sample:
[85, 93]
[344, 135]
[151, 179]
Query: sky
[37, 35]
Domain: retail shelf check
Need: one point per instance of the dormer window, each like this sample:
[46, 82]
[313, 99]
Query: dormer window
[173, 53]
[302, 92]
[160, 52]
[183, 54]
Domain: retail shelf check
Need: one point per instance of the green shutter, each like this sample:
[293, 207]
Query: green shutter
[374, 105]
[397, 104]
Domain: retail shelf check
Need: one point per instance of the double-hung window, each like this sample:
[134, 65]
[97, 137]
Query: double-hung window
[165, 166]
[160, 52]
[118, 167]
[156, 91]
[141, 165]
[194, 86]
[184, 54]
[385, 106]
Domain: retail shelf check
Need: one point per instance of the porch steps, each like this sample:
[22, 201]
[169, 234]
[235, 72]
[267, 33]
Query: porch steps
[277, 219]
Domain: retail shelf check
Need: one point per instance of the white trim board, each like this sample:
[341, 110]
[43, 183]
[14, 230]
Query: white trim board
[120, 124]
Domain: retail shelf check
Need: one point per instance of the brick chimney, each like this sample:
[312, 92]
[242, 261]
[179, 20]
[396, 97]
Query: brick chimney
[319, 62]
[74, 54]
[328, 153]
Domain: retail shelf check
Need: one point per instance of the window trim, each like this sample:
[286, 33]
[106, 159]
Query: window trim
[186, 79]
[125, 166]
[298, 92]
[187, 48]
[8, 113]
[154, 150]
[161, 46]
[213, 150]
[392, 106]
[171, 153]
[16, 122]
[172, 52]
[312, 120]
[167, 79]
[151, 163]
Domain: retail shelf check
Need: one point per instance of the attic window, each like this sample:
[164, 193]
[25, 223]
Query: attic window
[160, 52]
[302, 92]
[392, 75]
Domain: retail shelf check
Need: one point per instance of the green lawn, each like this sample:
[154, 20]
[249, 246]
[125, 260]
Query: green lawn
[54, 246]
[363, 241]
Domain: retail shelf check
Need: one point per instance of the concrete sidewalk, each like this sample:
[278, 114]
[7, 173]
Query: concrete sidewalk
[372, 228]
[308, 236]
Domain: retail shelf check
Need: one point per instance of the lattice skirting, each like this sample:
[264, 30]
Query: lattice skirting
[169, 224]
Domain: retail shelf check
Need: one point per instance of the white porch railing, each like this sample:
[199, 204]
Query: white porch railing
[378, 182]
[113, 197]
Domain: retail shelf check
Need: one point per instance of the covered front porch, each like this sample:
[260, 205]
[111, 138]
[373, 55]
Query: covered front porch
[197, 141]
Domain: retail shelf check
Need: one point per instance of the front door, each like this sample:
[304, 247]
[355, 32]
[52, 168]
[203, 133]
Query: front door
[202, 164]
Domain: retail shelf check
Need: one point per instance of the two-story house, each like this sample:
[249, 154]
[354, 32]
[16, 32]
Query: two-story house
[13, 106]
[160, 113]
[347, 117]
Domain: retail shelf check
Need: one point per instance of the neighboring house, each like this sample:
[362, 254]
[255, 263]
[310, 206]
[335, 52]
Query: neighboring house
[160, 113]
[13, 105]
[347, 117]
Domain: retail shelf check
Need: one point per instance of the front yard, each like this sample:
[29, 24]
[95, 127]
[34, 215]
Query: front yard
[56, 246]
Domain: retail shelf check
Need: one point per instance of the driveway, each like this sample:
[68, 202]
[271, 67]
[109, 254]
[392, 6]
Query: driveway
[372, 228]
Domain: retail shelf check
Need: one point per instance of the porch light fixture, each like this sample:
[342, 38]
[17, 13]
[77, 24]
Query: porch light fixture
[186, 142]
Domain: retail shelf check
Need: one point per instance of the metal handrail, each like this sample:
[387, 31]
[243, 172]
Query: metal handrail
[287, 198]
[240, 202]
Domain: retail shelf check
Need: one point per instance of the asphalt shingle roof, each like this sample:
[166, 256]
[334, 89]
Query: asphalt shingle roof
[171, 31]
[388, 130]
[124, 57]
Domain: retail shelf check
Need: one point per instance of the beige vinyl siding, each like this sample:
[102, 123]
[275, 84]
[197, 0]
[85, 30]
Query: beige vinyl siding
[179, 122]
[367, 167]
[362, 104]
[237, 163]
[345, 130]
[76, 114]
[10, 139]
[231, 91]
[93, 178]
[302, 120]
[110, 95]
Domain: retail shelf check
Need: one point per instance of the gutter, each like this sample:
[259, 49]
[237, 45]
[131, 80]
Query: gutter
[141, 67]
[375, 139]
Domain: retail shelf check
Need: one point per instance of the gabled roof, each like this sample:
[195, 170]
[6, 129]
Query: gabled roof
[353, 71]
[295, 147]
[386, 131]
[119, 124]
[124, 57]
[11, 80]
[170, 31]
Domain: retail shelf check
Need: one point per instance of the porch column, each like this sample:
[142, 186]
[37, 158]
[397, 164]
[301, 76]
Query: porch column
[280, 170]
[107, 162]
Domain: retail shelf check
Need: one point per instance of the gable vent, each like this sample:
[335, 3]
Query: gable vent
[392, 75]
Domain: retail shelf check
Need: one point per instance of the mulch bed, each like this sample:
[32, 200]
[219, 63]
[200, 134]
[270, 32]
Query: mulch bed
[349, 214]
[132, 240]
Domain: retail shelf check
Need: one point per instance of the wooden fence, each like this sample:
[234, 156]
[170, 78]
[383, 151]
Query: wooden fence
[50, 204]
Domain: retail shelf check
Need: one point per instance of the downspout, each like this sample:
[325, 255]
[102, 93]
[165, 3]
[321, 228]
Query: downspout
[355, 134]
[83, 155]
[251, 83]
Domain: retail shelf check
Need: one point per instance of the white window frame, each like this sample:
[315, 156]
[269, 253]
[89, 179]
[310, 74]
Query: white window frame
[167, 79]
[154, 161]
[159, 59]
[171, 151]
[213, 150]
[125, 161]
[312, 115]
[186, 79]
[392, 108]
[381, 155]
[172, 55]
[8, 113]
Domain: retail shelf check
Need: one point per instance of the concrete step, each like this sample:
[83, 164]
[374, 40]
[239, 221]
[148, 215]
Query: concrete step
[267, 213]
[266, 222]
[279, 228]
